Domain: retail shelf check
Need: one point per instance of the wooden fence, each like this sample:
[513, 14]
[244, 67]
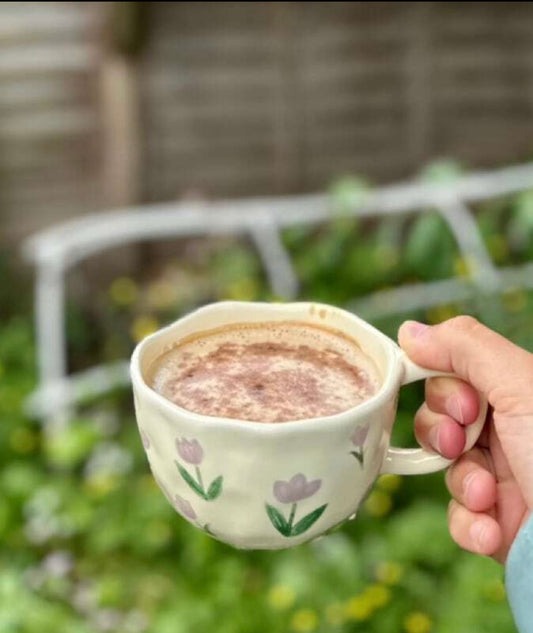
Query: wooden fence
[250, 98]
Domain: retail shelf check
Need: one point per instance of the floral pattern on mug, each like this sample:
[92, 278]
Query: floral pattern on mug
[144, 439]
[192, 452]
[358, 440]
[292, 491]
[183, 507]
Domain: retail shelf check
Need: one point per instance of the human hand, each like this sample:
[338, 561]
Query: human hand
[491, 484]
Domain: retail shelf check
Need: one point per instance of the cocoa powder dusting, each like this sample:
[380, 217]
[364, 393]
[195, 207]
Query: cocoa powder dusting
[300, 372]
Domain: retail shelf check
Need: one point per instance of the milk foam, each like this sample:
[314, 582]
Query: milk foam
[267, 372]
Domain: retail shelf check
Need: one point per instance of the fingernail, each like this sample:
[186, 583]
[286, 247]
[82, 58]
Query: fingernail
[415, 329]
[453, 406]
[434, 438]
[478, 531]
[467, 482]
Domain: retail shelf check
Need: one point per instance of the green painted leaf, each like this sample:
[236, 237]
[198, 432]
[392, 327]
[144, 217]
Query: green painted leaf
[278, 520]
[359, 457]
[214, 489]
[192, 483]
[308, 520]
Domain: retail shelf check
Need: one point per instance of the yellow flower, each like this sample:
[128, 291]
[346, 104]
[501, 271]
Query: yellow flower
[242, 290]
[498, 248]
[359, 608]
[494, 591]
[438, 314]
[281, 597]
[514, 300]
[147, 483]
[464, 266]
[161, 294]
[378, 504]
[23, 440]
[101, 485]
[417, 622]
[273, 298]
[335, 613]
[377, 595]
[143, 326]
[158, 532]
[304, 620]
[389, 483]
[124, 291]
[150, 589]
[388, 257]
[389, 572]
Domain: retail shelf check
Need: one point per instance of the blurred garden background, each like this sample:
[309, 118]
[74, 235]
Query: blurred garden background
[126, 104]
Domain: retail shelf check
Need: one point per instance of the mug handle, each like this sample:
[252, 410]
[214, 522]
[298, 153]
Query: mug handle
[419, 461]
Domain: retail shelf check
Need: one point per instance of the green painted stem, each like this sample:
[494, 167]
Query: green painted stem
[199, 476]
[291, 517]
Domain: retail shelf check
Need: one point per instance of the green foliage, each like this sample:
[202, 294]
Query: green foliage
[87, 541]
[430, 250]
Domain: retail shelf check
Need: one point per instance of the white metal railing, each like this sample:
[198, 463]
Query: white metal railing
[55, 250]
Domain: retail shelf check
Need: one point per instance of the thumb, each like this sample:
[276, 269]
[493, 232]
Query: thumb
[489, 362]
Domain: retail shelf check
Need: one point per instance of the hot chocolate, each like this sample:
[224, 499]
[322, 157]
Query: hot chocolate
[266, 372]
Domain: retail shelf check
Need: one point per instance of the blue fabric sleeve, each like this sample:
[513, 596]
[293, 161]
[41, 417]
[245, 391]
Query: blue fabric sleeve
[519, 577]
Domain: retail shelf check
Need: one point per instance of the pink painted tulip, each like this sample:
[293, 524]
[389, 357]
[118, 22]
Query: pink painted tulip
[164, 489]
[179, 503]
[190, 451]
[296, 489]
[359, 436]
[184, 507]
[145, 439]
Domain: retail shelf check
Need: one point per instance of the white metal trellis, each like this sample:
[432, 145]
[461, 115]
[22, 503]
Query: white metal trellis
[55, 250]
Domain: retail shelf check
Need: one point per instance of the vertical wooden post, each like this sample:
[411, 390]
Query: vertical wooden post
[122, 142]
[418, 85]
[121, 103]
[287, 127]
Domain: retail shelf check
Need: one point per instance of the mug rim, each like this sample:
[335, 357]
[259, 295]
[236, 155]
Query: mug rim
[392, 352]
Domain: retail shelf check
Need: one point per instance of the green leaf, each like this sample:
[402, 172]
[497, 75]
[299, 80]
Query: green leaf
[192, 483]
[521, 225]
[431, 250]
[278, 520]
[358, 456]
[214, 489]
[308, 520]
[442, 172]
[349, 193]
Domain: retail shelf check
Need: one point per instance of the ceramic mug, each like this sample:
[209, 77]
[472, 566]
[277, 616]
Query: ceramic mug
[275, 485]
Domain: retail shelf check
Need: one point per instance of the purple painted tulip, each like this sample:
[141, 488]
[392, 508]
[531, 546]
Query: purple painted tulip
[145, 439]
[296, 489]
[164, 490]
[179, 503]
[184, 507]
[359, 436]
[190, 451]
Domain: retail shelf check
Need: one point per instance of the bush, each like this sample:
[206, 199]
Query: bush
[90, 544]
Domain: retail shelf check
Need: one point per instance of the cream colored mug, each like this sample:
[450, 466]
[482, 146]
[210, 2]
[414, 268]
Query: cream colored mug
[276, 485]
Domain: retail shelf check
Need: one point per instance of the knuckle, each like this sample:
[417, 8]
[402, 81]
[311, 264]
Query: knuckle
[447, 478]
[431, 386]
[463, 323]
[419, 421]
[455, 521]
[440, 387]
[451, 477]
[452, 508]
